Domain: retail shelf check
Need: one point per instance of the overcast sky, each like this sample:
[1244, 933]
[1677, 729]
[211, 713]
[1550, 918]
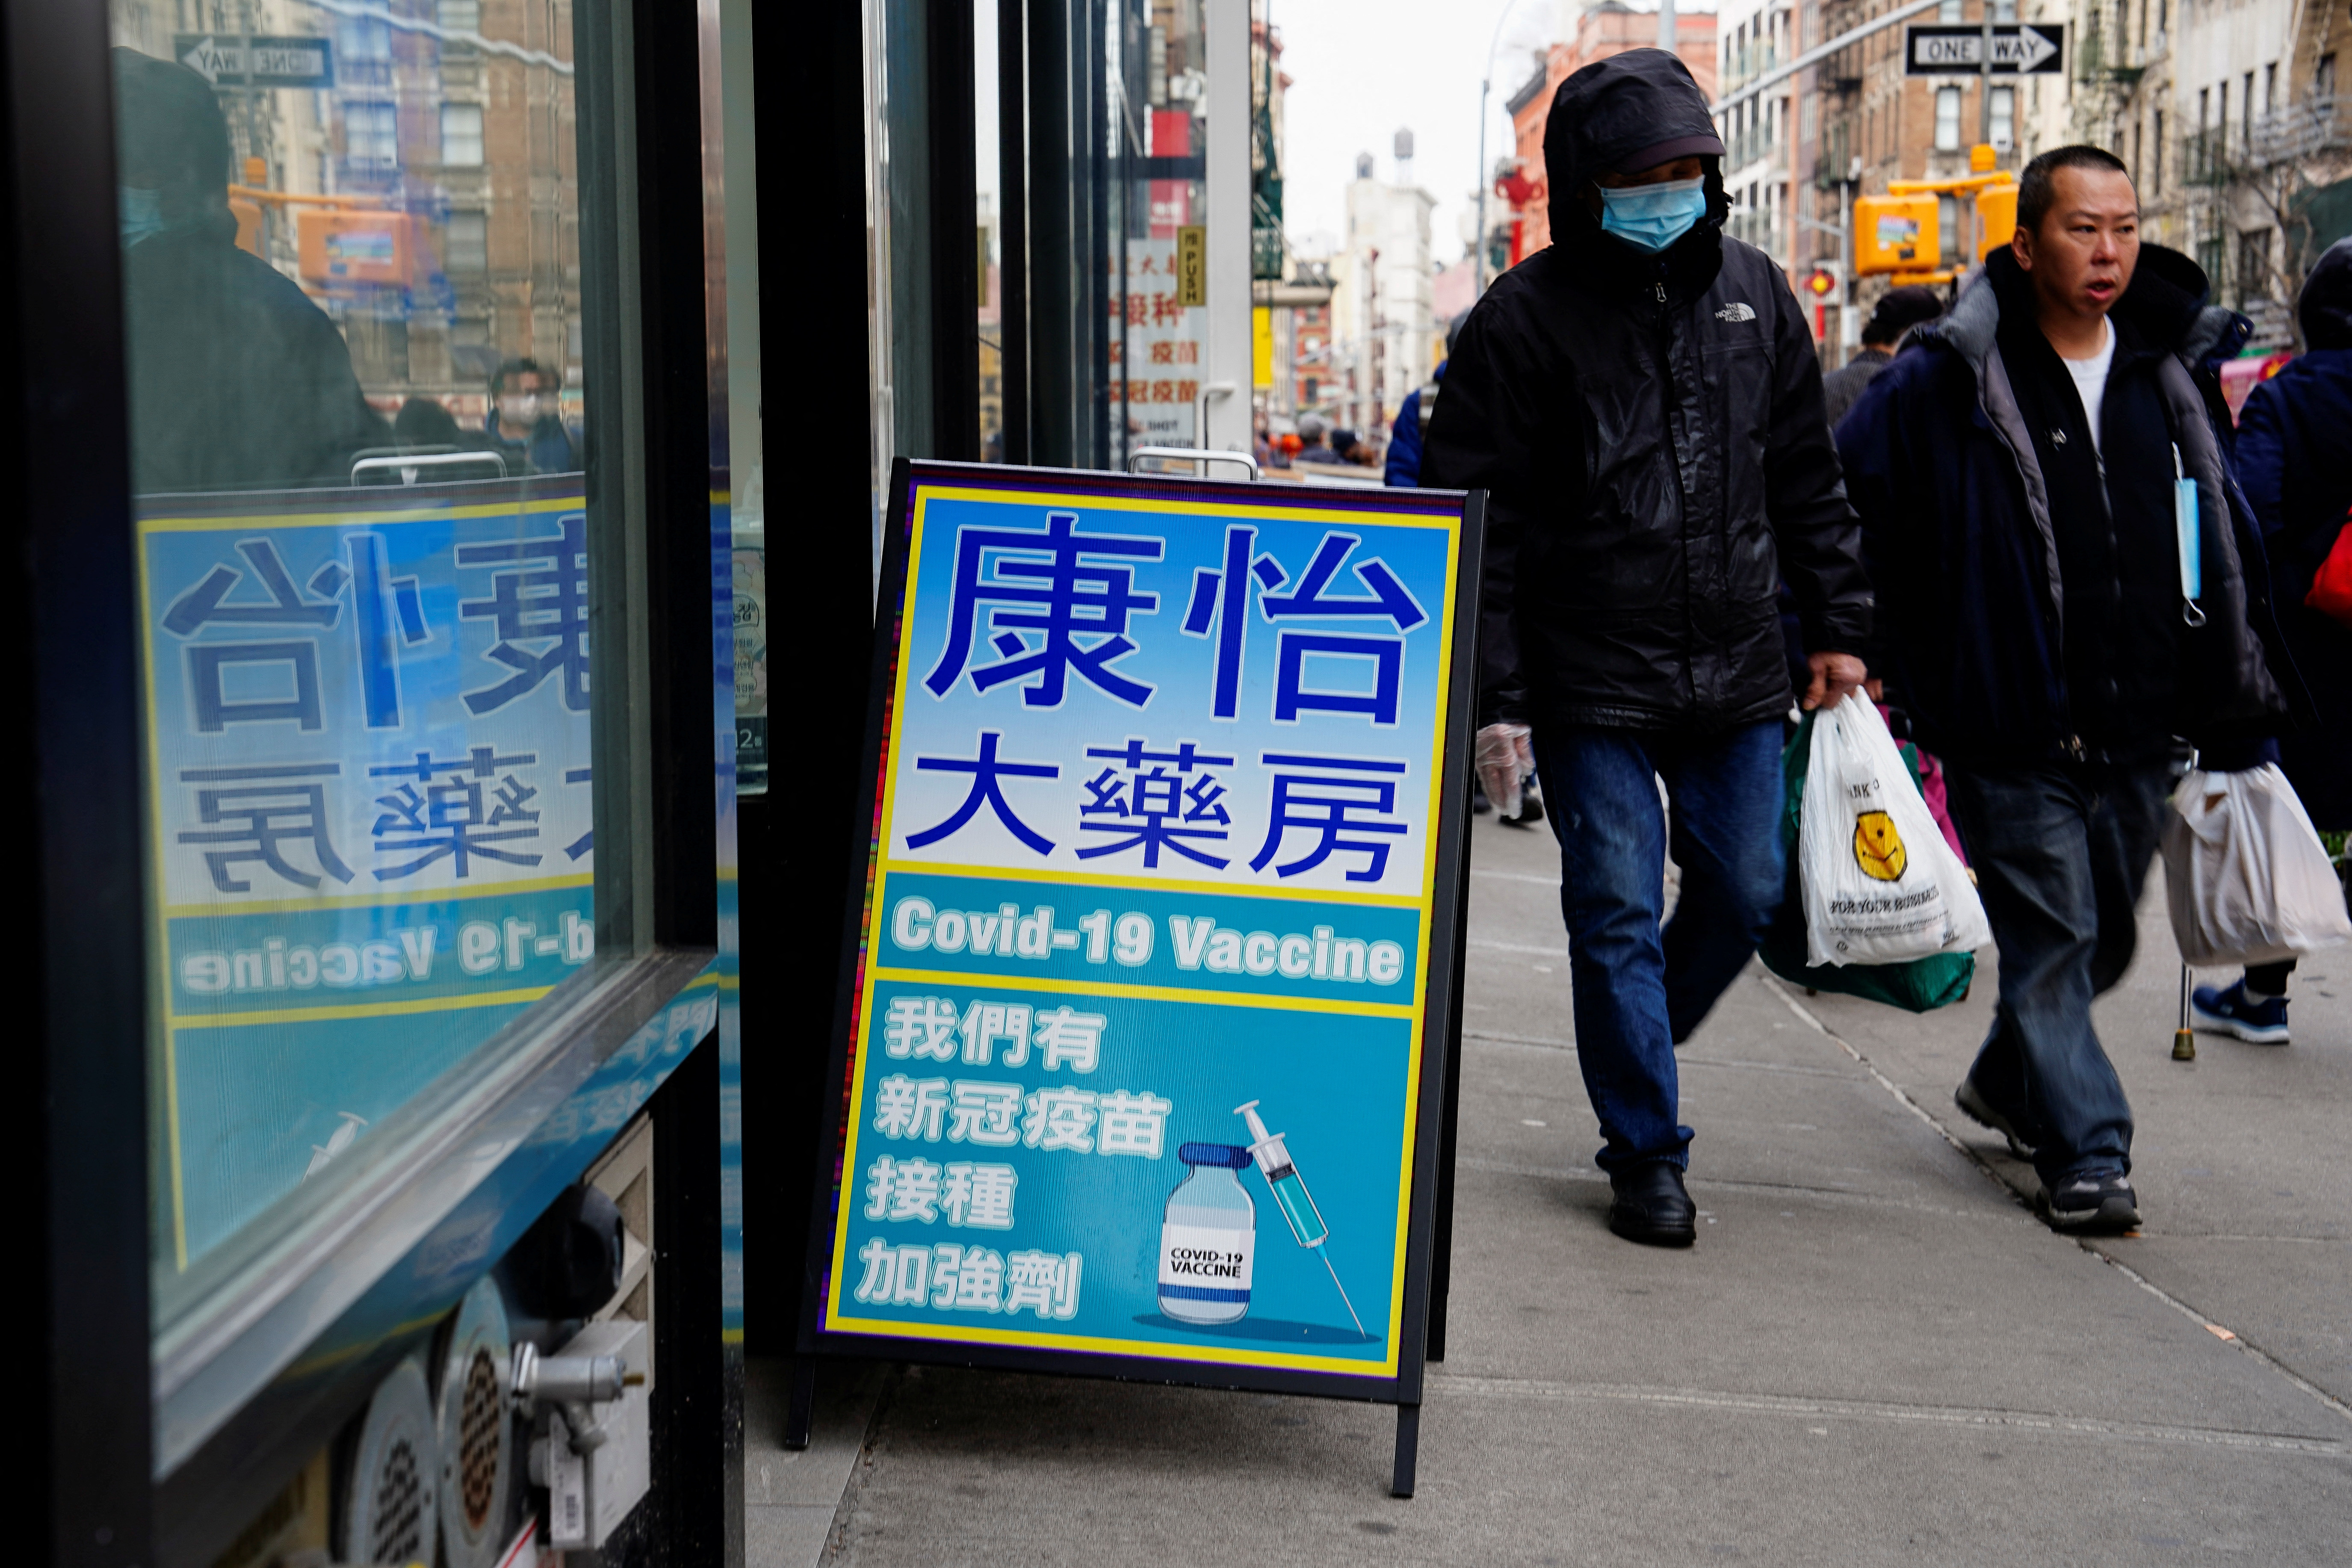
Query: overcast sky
[1362, 68]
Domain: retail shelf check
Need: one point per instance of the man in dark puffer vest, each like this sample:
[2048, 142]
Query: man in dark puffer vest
[2017, 471]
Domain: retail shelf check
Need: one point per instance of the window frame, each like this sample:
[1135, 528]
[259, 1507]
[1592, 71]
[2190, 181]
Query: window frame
[160, 1448]
[476, 135]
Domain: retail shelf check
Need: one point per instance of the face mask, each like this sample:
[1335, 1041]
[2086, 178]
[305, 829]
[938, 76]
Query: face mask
[520, 411]
[1654, 217]
[141, 212]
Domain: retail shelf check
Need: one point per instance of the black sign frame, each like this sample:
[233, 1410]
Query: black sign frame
[1430, 1201]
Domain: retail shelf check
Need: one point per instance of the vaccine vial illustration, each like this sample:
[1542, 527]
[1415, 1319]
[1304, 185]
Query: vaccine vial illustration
[1208, 1238]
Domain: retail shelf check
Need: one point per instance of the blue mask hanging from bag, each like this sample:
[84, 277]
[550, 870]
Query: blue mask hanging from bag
[1654, 217]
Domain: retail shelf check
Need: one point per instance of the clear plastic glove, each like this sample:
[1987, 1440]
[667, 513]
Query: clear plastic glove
[1506, 759]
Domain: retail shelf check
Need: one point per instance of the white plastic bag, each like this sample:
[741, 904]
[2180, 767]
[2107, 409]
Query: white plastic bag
[2244, 873]
[1879, 883]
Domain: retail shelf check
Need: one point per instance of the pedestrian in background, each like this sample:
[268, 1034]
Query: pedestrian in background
[2016, 485]
[1411, 431]
[1631, 561]
[1898, 312]
[2295, 460]
[1312, 446]
[526, 421]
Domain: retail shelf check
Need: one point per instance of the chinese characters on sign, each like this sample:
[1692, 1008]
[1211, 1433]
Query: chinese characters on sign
[1158, 341]
[374, 815]
[1156, 857]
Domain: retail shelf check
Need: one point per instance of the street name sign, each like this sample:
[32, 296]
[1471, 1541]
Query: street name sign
[1143, 1023]
[220, 59]
[2027, 49]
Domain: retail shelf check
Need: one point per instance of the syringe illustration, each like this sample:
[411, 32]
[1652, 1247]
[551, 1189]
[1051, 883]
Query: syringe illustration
[1291, 1196]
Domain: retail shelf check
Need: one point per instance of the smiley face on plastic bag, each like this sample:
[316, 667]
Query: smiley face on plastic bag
[1877, 847]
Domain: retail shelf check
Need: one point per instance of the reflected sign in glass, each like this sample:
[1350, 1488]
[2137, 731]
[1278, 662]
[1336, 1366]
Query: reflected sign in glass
[1137, 1055]
[370, 779]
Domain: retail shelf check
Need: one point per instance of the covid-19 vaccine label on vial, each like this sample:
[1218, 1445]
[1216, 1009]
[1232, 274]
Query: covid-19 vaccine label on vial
[1203, 1256]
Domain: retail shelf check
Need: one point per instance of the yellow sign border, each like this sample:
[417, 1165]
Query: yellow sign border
[881, 864]
[162, 1025]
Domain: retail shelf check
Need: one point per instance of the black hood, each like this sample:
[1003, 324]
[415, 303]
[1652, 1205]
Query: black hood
[169, 129]
[1641, 99]
[2325, 307]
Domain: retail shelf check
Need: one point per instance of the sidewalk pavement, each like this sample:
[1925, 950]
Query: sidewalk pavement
[1875, 1353]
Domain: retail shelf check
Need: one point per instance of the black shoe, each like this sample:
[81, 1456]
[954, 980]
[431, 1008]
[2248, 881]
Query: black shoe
[1971, 1100]
[2101, 1205]
[1652, 1208]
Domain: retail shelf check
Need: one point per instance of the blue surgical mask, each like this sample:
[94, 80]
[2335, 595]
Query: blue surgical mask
[1654, 217]
[141, 212]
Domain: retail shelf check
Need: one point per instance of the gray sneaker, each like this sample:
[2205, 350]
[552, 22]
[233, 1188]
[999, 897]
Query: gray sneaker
[2098, 1204]
[1971, 1101]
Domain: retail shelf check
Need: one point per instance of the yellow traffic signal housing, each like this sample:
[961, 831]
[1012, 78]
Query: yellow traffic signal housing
[1996, 217]
[1896, 234]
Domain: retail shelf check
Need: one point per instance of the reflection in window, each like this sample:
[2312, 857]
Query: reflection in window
[356, 430]
[371, 135]
[461, 135]
[465, 247]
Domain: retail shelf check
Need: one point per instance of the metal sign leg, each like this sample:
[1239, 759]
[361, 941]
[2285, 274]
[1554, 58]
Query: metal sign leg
[1407, 1449]
[800, 1415]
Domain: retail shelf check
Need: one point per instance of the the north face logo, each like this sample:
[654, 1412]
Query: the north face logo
[1736, 312]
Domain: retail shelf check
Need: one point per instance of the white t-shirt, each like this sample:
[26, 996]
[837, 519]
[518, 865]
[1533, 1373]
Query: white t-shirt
[2091, 379]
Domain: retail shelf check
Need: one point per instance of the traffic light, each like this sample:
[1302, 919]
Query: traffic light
[1896, 234]
[1996, 217]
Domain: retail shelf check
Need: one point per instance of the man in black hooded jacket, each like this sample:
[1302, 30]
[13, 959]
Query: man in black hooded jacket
[2020, 473]
[1642, 402]
[236, 380]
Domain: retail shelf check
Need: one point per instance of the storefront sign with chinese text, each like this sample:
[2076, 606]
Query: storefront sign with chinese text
[368, 732]
[1157, 924]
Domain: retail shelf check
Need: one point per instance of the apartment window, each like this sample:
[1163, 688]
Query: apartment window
[2270, 87]
[461, 16]
[2004, 119]
[2221, 118]
[2254, 265]
[2246, 111]
[1949, 11]
[2323, 81]
[371, 134]
[1948, 120]
[2004, 10]
[2155, 165]
[466, 248]
[461, 135]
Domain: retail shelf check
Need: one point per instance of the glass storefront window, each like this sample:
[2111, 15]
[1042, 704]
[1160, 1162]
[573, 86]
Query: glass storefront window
[1158, 294]
[354, 311]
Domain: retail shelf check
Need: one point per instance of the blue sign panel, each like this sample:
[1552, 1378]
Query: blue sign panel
[1165, 856]
[372, 821]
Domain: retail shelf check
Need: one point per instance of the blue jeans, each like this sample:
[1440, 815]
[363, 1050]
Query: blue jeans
[1639, 990]
[2060, 853]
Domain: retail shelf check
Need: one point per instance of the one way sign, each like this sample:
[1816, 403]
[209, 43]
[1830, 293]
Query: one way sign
[2034, 48]
[223, 59]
